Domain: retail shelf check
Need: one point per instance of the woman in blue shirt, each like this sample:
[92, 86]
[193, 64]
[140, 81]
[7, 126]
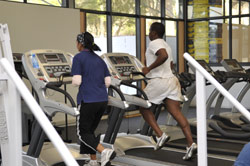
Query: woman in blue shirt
[91, 74]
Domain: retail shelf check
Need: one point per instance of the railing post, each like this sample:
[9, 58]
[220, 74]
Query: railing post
[201, 119]
[11, 135]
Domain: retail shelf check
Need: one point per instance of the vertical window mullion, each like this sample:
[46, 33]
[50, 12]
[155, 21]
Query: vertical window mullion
[109, 26]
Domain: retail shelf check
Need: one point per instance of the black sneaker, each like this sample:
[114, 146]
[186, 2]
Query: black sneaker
[191, 151]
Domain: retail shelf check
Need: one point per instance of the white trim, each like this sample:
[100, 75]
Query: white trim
[78, 133]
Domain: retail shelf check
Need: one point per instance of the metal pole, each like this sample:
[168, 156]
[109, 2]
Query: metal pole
[201, 119]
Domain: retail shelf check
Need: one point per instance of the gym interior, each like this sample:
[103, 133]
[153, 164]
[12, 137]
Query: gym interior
[213, 33]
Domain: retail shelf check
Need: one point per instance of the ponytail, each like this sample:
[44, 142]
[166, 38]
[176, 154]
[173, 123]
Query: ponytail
[87, 40]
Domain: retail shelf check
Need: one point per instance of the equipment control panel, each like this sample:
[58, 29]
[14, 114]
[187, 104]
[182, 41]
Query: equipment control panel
[233, 65]
[121, 65]
[204, 64]
[48, 65]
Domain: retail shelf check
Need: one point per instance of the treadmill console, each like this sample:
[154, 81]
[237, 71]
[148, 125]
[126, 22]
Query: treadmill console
[121, 65]
[233, 65]
[51, 64]
[204, 64]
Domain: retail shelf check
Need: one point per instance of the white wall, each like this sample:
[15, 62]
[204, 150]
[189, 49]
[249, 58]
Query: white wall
[40, 27]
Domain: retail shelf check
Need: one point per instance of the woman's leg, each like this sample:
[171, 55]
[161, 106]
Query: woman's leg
[173, 107]
[149, 117]
[86, 134]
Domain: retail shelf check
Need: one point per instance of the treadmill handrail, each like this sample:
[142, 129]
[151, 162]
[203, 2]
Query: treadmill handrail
[71, 100]
[137, 88]
[224, 133]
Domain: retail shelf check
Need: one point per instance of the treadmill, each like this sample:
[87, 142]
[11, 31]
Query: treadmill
[53, 72]
[233, 66]
[125, 66]
[216, 143]
[237, 128]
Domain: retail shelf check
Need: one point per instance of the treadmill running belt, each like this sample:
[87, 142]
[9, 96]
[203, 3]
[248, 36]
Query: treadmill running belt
[215, 147]
[173, 157]
[80, 162]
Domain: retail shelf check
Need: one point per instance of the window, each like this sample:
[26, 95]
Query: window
[235, 7]
[16, 0]
[96, 25]
[244, 7]
[174, 8]
[91, 4]
[245, 20]
[209, 40]
[151, 7]
[204, 9]
[170, 32]
[125, 6]
[198, 42]
[49, 2]
[124, 40]
[123, 35]
[241, 41]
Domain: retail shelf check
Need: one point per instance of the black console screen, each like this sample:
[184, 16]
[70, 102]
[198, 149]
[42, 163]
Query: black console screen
[205, 65]
[234, 65]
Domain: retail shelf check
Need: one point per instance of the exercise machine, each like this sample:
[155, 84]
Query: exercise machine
[126, 67]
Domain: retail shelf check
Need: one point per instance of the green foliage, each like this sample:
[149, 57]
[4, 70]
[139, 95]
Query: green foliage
[96, 23]
[46, 2]
[91, 4]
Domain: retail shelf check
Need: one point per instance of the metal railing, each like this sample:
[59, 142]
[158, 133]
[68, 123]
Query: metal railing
[201, 74]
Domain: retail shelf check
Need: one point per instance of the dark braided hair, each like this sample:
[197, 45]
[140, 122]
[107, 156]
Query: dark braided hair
[87, 40]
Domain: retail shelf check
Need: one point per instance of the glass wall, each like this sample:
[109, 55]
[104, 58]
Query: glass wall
[209, 38]
[99, 5]
[241, 42]
[151, 7]
[171, 38]
[124, 6]
[16, 0]
[124, 40]
[174, 8]
[59, 3]
[48, 2]
[96, 25]
[123, 35]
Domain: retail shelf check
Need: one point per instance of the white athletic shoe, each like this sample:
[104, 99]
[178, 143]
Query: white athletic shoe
[191, 151]
[92, 163]
[107, 155]
[160, 142]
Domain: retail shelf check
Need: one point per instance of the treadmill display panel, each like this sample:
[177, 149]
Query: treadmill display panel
[234, 65]
[120, 60]
[205, 65]
[51, 57]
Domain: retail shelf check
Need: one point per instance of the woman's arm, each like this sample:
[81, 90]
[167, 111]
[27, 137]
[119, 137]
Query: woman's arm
[162, 56]
[76, 80]
[107, 81]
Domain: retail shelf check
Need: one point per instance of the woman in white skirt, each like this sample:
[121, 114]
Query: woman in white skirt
[163, 86]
